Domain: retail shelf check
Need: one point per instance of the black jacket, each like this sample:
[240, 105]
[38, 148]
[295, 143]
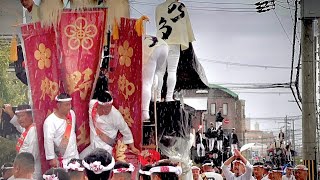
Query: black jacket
[198, 140]
[234, 138]
[219, 118]
[211, 133]
[220, 134]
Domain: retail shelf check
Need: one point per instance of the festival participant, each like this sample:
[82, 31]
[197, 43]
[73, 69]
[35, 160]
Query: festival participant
[199, 143]
[122, 171]
[144, 173]
[60, 143]
[289, 175]
[174, 27]
[258, 170]
[105, 122]
[56, 174]
[155, 53]
[277, 173]
[301, 172]
[209, 172]
[211, 134]
[98, 164]
[196, 173]
[233, 140]
[165, 169]
[75, 169]
[23, 166]
[236, 171]
[32, 12]
[28, 141]
[7, 171]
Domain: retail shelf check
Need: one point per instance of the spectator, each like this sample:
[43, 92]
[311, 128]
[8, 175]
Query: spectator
[23, 166]
[236, 170]
[98, 164]
[7, 171]
[196, 173]
[56, 174]
[75, 169]
[289, 175]
[122, 171]
[164, 170]
[258, 170]
[144, 173]
[209, 172]
[220, 138]
[301, 172]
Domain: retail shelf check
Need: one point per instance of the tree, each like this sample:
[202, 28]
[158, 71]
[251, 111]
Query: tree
[12, 91]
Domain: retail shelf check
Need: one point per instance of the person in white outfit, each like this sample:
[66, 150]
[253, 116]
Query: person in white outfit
[236, 171]
[60, 143]
[289, 175]
[28, 141]
[105, 123]
[174, 27]
[199, 144]
[155, 53]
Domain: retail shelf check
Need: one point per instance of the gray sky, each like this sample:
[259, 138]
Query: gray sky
[248, 38]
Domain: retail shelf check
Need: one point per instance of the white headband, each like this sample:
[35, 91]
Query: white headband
[97, 168]
[195, 167]
[148, 173]
[238, 161]
[23, 110]
[166, 169]
[63, 100]
[207, 164]
[50, 177]
[6, 168]
[75, 166]
[123, 170]
[304, 169]
[105, 103]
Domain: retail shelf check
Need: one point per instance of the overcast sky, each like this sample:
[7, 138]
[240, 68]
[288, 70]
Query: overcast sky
[241, 37]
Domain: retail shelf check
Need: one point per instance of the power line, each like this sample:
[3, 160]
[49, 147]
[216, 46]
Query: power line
[282, 26]
[243, 64]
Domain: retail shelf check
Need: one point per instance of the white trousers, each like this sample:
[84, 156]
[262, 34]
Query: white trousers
[171, 65]
[211, 143]
[218, 124]
[233, 147]
[219, 145]
[200, 146]
[157, 60]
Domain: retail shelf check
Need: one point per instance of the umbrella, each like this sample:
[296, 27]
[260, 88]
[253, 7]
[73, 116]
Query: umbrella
[246, 146]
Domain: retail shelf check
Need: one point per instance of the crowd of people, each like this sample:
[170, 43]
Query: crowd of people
[100, 165]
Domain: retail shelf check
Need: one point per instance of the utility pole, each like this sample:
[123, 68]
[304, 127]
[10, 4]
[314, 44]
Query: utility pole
[293, 141]
[286, 122]
[309, 123]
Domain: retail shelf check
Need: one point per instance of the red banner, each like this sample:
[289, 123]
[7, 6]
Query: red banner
[80, 38]
[43, 75]
[126, 85]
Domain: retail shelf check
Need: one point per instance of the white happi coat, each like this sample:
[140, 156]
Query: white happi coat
[30, 145]
[53, 130]
[109, 125]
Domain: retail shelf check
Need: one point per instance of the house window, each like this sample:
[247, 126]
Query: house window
[243, 112]
[225, 109]
[213, 109]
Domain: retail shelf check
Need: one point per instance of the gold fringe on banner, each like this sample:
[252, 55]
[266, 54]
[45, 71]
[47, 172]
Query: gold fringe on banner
[139, 27]
[115, 30]
[51, 12]
[13, 49]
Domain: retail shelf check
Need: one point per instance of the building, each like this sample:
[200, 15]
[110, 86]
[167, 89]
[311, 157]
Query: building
[209, 101]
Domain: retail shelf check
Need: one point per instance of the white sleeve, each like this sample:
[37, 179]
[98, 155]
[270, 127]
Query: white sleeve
[15, 123]
[227, 173]
[248, 172]
[124, 129]
[48, 135]
[33, 142]
[73, 115]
